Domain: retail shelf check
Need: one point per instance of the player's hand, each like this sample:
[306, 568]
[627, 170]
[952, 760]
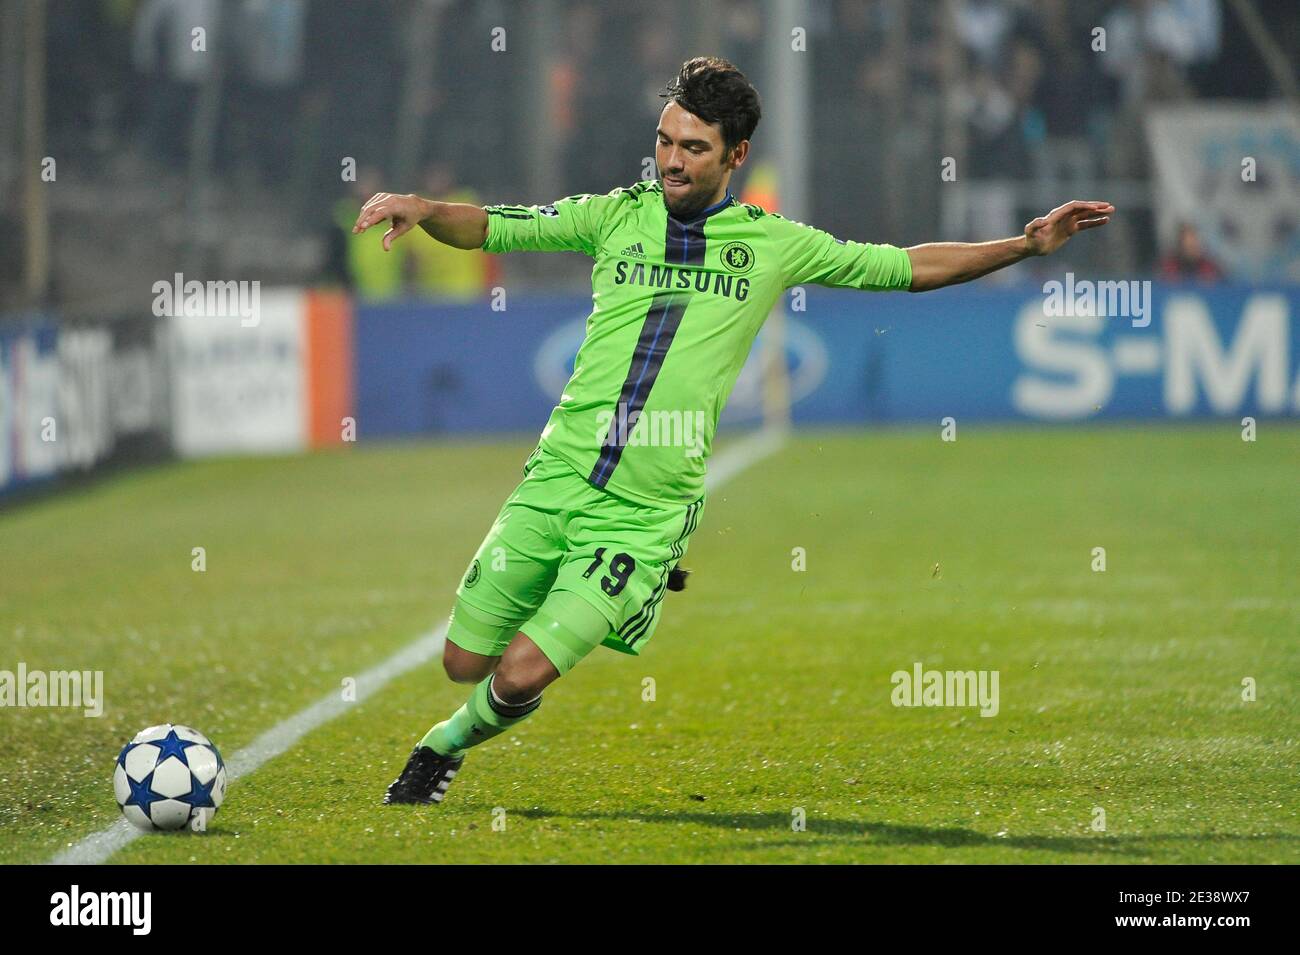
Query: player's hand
[1048, 233]
[404, 211]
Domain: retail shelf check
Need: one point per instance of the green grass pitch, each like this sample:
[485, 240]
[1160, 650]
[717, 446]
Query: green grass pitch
[1119, 690]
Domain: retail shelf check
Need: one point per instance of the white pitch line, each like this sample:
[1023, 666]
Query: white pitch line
[745, 452]
[98, 846]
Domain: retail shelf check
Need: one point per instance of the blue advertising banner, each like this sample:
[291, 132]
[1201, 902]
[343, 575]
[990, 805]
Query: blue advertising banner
[1070, 351]
[29, 401]
[448, 369]
[66, 395]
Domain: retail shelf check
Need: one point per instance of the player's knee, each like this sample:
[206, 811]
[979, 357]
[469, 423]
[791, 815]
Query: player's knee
[515, 687]
[461, 666]
[462, 673]
[524, 672]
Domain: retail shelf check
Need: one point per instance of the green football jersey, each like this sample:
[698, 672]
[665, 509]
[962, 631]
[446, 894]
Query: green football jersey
[675, 310]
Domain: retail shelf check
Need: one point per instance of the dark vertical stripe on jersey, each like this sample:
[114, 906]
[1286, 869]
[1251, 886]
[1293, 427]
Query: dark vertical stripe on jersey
[657, 333]
[684, 242]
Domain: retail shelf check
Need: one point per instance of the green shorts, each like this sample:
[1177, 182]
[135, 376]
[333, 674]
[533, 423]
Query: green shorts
[570, 565]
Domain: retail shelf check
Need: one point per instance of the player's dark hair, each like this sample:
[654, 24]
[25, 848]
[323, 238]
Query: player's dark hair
[717, 92]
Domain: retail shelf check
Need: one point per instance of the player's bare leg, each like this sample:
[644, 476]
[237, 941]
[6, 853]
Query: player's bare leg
[524, 672]
[465, 666]
[508, 691]
[509, 688]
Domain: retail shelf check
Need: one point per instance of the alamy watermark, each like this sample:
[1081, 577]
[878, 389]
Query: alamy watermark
[232, 299]
[74, 688]
[656, 429]
[923, 687]
[1112, 299]
[132, 909]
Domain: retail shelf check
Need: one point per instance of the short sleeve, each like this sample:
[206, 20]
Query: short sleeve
[572, 224]
[813, 256]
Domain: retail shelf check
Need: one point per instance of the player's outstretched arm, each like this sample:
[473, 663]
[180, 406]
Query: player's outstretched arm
[937, 264]
[454, 223]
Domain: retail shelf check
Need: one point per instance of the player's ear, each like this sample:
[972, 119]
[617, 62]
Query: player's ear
[738, 154]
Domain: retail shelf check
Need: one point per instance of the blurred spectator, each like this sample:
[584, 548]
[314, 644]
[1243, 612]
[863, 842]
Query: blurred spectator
[372, 273]
[983, 27]
[442, 271]
[1188, 259]
[172, 44]
[1075, 88]
[620, 99]
[262, 84]
[997, 106]
[270, 41]
[1150, 45]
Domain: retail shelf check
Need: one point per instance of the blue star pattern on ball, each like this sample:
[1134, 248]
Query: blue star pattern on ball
[200, 795]
[172, 745]
[142, 794]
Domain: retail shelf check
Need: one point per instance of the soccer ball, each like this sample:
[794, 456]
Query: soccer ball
[168, 777]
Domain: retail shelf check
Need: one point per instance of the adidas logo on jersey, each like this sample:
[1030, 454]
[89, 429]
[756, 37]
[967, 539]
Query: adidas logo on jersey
[635, 250]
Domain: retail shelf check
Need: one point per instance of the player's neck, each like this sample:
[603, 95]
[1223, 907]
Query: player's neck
[720, 199]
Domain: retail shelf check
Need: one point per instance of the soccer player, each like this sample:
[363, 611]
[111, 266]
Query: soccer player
[584, 549]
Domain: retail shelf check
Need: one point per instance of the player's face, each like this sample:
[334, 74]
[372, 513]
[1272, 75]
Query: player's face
[693, 164]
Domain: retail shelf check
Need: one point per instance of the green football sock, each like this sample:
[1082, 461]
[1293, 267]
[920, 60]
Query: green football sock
[483, 716]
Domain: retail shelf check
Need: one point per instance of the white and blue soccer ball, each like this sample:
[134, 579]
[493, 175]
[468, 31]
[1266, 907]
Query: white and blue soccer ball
[168, 777]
